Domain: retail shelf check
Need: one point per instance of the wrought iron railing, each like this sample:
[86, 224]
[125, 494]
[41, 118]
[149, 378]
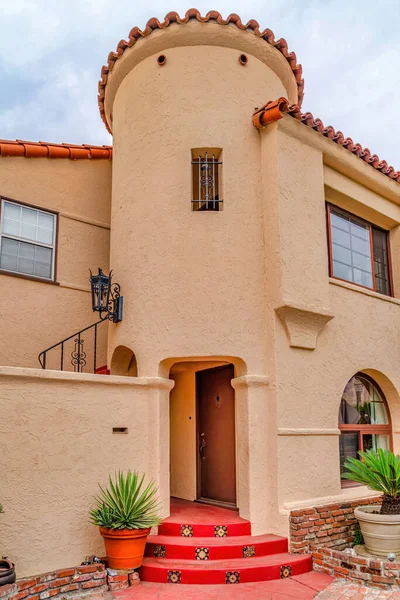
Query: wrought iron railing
[73, 346]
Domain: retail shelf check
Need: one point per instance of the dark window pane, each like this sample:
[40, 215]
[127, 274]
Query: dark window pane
[381, 262]
[373, 441]
[348, 445]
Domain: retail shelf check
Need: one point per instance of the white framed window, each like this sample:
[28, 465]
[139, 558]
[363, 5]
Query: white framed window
[27, 240]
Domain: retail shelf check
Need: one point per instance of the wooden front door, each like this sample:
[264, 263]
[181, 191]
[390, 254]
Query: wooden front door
[216, 473]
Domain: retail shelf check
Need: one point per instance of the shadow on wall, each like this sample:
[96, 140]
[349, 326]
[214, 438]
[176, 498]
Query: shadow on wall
[123, 362]
[167, 364]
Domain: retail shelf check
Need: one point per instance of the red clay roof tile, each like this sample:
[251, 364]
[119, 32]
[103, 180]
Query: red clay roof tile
[272, 111]
[48, 150]
[213, 15]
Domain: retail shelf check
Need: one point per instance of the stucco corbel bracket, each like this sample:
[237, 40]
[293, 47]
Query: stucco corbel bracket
[302, 325]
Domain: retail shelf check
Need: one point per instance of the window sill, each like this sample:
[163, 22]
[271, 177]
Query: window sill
[29, 277]
[361, 290]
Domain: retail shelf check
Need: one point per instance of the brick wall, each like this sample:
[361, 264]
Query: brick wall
[375, 572]
[331, 526]
[72, 581]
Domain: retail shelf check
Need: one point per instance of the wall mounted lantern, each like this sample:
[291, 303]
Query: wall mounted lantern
[106, 297]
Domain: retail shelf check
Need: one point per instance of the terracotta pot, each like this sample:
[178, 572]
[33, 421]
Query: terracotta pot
[124, 547]
[381, 533]
[7, 572]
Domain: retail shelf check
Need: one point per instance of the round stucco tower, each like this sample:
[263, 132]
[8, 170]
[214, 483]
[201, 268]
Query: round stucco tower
[192, 280]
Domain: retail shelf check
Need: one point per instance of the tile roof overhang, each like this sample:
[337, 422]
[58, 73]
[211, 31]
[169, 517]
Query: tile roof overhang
[48, 150]
[212, 16]
[274, 110]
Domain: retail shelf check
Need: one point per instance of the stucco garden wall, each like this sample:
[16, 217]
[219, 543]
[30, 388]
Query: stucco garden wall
[56, 445]
[38, 314]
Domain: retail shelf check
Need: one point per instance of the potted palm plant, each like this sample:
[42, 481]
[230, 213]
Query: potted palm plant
[7, 569]
[380, 524]
[125, 512]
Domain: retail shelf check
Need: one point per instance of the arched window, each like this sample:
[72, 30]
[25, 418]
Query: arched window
[364, 419]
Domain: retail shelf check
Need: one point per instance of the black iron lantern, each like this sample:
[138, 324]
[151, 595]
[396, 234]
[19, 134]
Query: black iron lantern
[106, 296]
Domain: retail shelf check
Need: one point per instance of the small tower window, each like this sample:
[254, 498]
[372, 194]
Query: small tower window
[206, 179]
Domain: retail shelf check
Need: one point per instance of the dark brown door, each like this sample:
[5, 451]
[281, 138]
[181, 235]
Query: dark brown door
[216, 435]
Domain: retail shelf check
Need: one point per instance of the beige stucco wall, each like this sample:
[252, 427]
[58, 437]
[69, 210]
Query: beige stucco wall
[56, 446]
[217, 258]
[38, 314]
[358, 329]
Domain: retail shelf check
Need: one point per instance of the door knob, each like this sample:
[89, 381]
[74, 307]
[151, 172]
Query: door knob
[202, 446]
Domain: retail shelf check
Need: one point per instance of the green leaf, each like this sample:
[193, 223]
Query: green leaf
[378, 469]
[125, 505]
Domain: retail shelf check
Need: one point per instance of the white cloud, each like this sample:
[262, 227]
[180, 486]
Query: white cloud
[350, 53]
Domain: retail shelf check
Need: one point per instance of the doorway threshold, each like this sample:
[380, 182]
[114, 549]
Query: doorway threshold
[220, 503]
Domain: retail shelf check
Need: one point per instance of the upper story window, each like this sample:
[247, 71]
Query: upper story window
[358, 251]
[364, 420]
[206, 179]
[27, 240]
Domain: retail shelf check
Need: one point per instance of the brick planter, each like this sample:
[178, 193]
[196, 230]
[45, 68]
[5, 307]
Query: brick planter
[375, 572]
[71, 581]
[330, 526]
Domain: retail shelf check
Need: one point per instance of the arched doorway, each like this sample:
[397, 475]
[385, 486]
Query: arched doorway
[203, 432]
[364, 419]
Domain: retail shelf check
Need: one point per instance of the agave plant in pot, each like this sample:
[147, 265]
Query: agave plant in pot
[380, 524]
[125, 512]
[7, 569]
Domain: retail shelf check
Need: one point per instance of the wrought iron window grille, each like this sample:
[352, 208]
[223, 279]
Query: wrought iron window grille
[206, 183]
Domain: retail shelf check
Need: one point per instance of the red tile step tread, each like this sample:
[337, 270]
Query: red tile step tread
[301, 587]
[244, 570]
[202, 520]
[172, 547]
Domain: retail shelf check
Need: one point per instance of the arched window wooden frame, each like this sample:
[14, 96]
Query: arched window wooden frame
[369, 429]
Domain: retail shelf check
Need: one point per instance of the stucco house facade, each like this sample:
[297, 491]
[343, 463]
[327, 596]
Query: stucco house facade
[259, 343]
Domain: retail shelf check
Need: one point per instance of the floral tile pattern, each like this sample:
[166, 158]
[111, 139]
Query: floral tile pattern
[202, 553]
[221, 531]
[186, 530]
[232, 577]
[286, 571]
[174, 576]
[159, 551]
[248, 551]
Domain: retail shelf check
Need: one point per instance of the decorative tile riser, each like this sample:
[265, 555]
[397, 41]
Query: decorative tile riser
[215, 552]
[217, 576]
[176, 529]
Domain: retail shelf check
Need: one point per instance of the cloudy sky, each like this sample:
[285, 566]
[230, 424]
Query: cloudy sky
[51, 53]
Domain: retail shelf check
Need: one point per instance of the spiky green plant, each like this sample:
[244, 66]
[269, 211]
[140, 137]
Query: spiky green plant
[126, 503]
[380, 471]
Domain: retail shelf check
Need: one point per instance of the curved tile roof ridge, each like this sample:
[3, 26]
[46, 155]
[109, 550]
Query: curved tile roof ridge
[213, 15]
[272, 111]
[49, 150]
